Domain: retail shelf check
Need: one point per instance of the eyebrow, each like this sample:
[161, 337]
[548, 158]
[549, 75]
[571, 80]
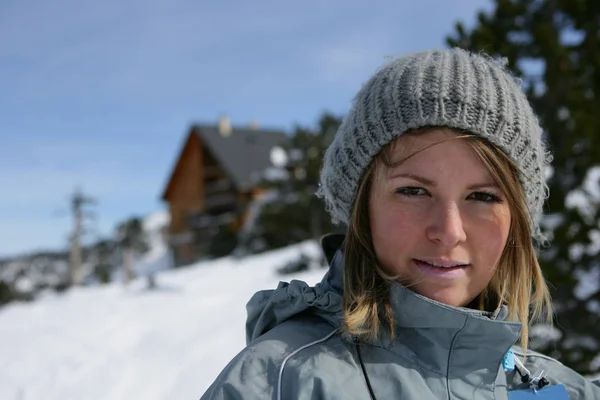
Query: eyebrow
[431, 183]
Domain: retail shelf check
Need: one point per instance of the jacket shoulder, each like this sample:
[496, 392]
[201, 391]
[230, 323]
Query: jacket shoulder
[578, 386]
[256, 372]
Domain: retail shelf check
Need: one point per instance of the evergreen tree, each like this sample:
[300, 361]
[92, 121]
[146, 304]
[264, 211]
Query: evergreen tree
[132, 240]
[7, 293]
[104, 252]
[296, 214]
[554, 46]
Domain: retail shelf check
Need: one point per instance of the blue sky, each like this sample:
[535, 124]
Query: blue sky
[100, 94]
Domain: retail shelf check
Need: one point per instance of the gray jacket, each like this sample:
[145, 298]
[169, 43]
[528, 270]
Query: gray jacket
[296, 351]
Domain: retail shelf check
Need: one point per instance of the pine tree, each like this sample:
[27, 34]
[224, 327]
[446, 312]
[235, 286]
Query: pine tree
[296, 214]
[554, 46]
[104, 255]
[132, 240]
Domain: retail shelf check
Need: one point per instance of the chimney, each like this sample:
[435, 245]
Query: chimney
[254, 125]
[224, 125]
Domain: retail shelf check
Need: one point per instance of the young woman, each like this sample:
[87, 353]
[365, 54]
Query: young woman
[438, 172]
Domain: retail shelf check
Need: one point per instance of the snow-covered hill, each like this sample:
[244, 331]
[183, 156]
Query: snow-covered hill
[116, 342]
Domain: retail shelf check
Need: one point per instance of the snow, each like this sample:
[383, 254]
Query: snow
[24, 285]
[275, 174]
[254, 210]
[587, 282]
[587, 198]
[157, 258]
[156, 221]
[118, 342]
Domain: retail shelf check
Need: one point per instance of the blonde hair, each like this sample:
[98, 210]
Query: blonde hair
[518, 281]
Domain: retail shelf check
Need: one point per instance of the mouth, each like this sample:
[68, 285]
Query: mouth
[442, 269]
[442, 264]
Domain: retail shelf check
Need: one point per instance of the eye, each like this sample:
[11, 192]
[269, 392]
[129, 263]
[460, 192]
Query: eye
[411, 191]
[485, 197]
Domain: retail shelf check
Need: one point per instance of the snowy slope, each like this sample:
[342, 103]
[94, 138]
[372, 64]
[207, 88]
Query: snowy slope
[114, 342]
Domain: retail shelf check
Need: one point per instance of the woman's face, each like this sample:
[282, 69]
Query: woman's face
[438, 220]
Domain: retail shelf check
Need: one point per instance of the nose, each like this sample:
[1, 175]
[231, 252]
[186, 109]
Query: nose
[446, 225]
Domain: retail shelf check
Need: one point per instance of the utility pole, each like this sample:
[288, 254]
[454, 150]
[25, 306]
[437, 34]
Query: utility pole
[78, 200]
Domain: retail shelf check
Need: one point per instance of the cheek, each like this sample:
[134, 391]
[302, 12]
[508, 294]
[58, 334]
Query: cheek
[392, 228]
[491, 234]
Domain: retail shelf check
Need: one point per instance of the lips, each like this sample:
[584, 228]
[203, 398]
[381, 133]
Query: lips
[453, 270]
[447, 264]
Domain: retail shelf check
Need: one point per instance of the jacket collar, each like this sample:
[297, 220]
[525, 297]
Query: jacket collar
[440, 337]
[445, 338]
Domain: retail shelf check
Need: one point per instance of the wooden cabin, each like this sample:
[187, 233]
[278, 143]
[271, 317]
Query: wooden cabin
[215, 177]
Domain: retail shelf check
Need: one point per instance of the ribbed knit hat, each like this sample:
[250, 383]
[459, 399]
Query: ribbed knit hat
[452, 88]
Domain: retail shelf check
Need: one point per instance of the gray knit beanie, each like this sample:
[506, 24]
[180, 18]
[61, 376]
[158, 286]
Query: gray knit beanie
[451, 88]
